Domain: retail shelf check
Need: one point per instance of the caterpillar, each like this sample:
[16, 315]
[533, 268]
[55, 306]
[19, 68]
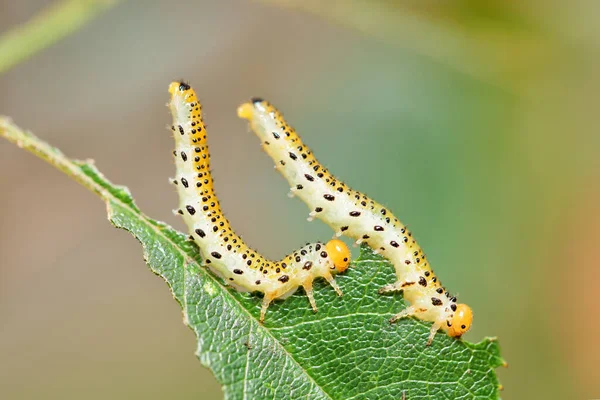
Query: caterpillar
[224, 252]
[353, 214]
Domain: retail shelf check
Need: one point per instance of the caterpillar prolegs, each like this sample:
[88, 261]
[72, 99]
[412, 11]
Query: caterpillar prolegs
[351, 213]
[224, 252]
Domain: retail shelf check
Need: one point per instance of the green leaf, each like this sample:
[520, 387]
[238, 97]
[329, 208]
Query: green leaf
[347, 350]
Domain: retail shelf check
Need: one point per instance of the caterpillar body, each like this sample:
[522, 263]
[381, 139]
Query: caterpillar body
[353, 214]
[224, 252]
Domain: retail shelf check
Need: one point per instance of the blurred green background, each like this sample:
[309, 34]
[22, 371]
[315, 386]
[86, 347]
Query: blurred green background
[475, 121]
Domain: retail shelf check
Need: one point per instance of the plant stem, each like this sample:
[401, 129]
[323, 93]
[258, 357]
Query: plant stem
[49, 26]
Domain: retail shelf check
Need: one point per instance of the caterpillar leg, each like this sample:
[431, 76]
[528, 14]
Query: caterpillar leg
[407, 312]
[308, 288]
[265, 304]
[334, 285]
[311, 216]
[412, 311]
[395, 287]
[434, 328]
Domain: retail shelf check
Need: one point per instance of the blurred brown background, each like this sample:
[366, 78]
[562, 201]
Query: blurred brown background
[475, 121]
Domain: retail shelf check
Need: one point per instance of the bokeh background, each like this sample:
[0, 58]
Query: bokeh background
[475, 121]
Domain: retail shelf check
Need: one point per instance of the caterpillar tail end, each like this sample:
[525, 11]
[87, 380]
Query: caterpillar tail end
[178, 86]
[245, 111]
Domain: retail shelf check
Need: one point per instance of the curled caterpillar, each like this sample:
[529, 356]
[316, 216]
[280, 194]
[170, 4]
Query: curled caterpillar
[224, 252]
[351, 213]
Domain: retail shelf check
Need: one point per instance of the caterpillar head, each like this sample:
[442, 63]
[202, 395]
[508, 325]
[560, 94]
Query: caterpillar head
[339, 254]
[461, 321]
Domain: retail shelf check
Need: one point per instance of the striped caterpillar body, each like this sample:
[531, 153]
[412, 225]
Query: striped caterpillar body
[224, 252]
[351, 213]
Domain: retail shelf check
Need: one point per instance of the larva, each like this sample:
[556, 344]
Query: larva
[224, 252]
[351, 213]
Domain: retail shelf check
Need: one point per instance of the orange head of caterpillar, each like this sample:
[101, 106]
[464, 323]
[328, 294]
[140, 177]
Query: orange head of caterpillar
[339, 254]
[461, 321]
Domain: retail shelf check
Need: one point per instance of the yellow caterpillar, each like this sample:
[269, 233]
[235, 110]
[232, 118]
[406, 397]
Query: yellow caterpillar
[351, 213]
[224, 252]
